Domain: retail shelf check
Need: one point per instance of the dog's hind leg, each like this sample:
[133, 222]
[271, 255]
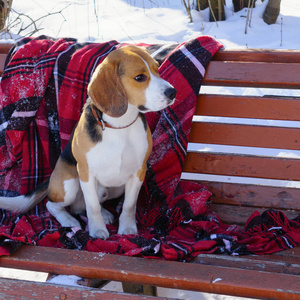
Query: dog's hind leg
[102, 197]
[107, 194]
[59, 200]
[62, 216]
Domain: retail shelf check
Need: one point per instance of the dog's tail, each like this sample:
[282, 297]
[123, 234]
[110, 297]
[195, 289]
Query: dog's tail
[25, 202]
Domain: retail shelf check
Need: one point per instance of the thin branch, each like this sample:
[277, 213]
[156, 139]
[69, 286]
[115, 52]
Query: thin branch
[247, 18]
[199, 6]
[96, 15]
[188, 9]
[20, 21]
[281, 32]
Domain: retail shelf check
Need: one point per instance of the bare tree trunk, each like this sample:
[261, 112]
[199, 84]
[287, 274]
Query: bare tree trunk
[203, 4]
[272, 11]
[217, 12]
[5, 7]
[240, 4]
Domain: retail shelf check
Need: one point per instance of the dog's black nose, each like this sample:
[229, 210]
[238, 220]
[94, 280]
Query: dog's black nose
[170, 93]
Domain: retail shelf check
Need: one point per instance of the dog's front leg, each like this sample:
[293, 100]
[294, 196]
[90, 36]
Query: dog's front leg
[97, 227]
[127, 220]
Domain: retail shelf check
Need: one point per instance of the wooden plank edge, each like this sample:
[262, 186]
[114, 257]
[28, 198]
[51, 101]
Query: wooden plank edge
[169, 274]
[282, 108]
[268, 263]
[38, 290]
[239, 215]
[258, 55]
[251, 195]
[242, 165]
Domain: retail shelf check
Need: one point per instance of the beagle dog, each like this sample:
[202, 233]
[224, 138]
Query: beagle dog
[107, 153]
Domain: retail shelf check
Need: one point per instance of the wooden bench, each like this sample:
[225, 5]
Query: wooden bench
[247, 161]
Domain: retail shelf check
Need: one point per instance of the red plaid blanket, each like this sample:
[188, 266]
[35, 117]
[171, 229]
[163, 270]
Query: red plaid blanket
[43, 90]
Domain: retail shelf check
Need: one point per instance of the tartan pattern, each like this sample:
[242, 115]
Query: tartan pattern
[43, 90]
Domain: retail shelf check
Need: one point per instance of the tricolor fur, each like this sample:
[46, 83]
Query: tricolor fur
[109, 147]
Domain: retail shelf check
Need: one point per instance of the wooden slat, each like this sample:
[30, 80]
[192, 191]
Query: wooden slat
[2, 62]
[258, 55]
[4, 49]
[267, 263]
[27, 290]
[292, 253]
[238, 215]
[212, 279]
[245, 135]
[245, 74]
[273, 108]
[245, 166]
[254, 195]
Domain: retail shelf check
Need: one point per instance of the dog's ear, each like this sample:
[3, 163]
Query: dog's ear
[106, 89]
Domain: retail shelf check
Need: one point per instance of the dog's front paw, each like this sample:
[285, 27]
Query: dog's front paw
[127, 229]
[100, 233]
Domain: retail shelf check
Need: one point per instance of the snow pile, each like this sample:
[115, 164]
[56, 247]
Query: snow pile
[156, 21]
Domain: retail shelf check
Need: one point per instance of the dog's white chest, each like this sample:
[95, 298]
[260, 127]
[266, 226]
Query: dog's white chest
[120, 154]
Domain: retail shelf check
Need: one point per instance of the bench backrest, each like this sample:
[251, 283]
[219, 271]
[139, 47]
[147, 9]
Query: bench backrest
[246, 148]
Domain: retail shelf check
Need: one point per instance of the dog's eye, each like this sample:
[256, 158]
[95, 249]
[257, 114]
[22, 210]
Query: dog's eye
[140, 78]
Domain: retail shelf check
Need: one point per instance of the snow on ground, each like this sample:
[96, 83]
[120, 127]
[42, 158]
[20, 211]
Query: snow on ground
[158, 21]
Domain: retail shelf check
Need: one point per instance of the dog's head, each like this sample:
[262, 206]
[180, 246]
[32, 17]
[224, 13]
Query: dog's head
[129, 75]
